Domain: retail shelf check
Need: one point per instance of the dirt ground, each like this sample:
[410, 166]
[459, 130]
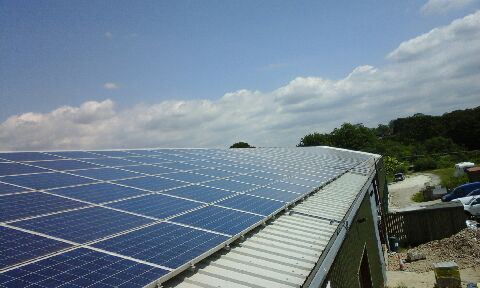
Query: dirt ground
[427, 279]
[463, 248]
[400, 193]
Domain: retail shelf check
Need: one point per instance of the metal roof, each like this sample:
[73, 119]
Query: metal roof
[285, 251]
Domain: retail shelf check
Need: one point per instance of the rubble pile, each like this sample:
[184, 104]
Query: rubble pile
[463, 248]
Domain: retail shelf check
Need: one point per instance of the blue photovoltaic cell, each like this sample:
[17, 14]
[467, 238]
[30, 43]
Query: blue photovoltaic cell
[144, 152]
[230, 185]
[113, 162]
[7, 189]
[306, 182]
[274, 194]
[200, 193]
[156, 205]
[219, 219]
[106, 174]
[290, 187]
[251, 180]
[152, 183]
[83, 225]
[117, 153]
[215, 172]
[27, 156]
[267, 175]
[17, 246]
[23, 205]
[98, 193]
[75, 154]
[188, 177]
[180, 166]
[149, 169]
[82, 268]
[171, 157]
[252, 204]
[147, 160]
[62, 165]
[16, 168]
[46, 180]
[164, 244]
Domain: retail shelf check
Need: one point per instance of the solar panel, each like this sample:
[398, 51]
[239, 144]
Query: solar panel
[164, 244]
[46, 180]
[27, 156]
[106, 173]
[252, 204]
[83, 225]
[219, 219]
[115, 201]
[17, 168]
[113, 153]
[75, 154]
[23, 205]
[156, 205]
[230, 185]
[151, 183]
[276, 194]
[149, 169]
[82, 268]
[200, 193]
[290, 187]
[98, 193]
[7, 189]
[62, 165]
[18, 246]
[112, 162]
[188, 177]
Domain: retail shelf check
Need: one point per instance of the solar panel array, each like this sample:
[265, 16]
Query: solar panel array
[128, 218]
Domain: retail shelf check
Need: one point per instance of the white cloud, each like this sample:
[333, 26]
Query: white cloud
[110, 86]
[432, 73]
[443, 6]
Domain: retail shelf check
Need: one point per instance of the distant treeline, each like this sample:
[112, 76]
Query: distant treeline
[425, 141]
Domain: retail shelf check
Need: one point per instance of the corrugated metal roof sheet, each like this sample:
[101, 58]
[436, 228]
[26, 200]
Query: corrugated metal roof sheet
[285, 251]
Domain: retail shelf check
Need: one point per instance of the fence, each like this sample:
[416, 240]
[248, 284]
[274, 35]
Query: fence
[433, 222]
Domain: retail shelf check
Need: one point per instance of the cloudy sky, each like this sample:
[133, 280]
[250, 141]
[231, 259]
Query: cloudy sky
[126, 74]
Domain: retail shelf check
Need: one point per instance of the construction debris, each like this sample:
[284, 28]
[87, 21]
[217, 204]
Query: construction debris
[463, 248]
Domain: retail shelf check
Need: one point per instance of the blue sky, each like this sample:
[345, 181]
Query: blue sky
[56, 53]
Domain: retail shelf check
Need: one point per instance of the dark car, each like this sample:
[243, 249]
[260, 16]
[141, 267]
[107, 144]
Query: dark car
[398, 177]
[461, 191]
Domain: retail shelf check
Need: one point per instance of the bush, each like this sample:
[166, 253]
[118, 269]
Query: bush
[423, 164]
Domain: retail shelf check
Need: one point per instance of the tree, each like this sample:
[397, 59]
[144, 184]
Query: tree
[241, 145]
[315, 139]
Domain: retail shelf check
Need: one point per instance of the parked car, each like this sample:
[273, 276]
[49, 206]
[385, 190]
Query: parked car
[461, 191]
[472, 208]
[398, 177]
[469, 196]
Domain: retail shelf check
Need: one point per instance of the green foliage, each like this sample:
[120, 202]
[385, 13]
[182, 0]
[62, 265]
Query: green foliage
[447, 179]
[418, 197]
[241, 145]
[424, 163]
[392, 165]
[315, 139]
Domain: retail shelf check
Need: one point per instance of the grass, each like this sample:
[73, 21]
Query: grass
[418, 197]
[447, 179]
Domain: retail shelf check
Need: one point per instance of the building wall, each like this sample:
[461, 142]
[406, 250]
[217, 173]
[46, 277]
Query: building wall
[345, 268]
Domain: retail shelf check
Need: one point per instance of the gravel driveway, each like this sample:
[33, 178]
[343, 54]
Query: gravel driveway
[400, 193]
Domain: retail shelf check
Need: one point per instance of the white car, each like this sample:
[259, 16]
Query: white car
[472, 208]
[470, 196]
